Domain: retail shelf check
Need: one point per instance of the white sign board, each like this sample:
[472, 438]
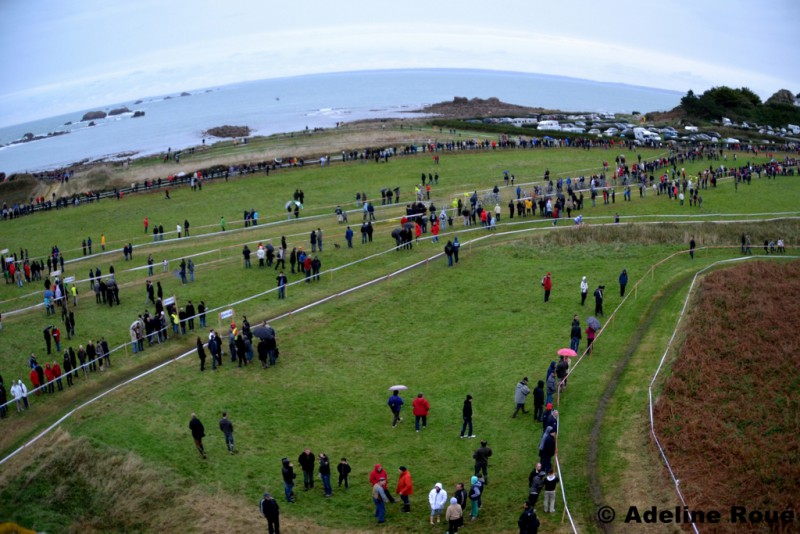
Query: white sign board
[69, 280]
[226, 314]
[4, 251]
[55, 273]
[169, 300]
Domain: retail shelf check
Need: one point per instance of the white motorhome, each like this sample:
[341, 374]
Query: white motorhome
[643, 134]
[549, 125]
[795, 129]
[726, 121]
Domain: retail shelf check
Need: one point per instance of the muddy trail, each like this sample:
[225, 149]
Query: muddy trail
[636, 337]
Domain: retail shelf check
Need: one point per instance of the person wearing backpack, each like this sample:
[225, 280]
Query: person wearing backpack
[475, 492]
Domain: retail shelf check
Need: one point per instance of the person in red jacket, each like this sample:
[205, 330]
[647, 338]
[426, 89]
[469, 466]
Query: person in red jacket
[56, 333]
[307, 267]
[48, 378]
[35, 381]
[435, 232]
[405, 487]
[421, 407]
[547, 284]
[57, 376]
[375, 477]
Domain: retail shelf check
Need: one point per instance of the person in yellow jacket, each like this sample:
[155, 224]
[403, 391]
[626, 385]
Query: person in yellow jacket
[103, 241]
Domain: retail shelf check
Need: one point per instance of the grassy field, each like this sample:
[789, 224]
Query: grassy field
[477, 329]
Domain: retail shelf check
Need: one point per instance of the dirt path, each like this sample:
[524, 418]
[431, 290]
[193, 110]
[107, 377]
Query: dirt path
[595, 485]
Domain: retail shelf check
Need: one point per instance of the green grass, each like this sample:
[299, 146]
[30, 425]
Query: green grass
[474, 329]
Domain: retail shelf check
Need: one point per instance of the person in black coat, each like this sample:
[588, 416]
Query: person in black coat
[550, 419]
[575, 334]
[307, 461]
[287, 471]
[466, 414]
[598, 300]
[241, 350]
[548, 450]
[271, 512]
[623, 281]
[528, 522]
[201, 353]
[198, 433]
[538, 400]
[263, 353]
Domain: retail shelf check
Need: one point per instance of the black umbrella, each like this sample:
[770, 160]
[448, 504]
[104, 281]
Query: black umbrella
[263, 331]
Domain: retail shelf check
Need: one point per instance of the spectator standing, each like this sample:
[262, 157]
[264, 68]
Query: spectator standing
[475, 494]
[288, 474]
[598, 300]
[466, 415]
[325, 473]
[584, 290]
[550, 483]
[454, 516]
[271, 512]
[344, 473]
[520, 395]
[307, 461]
[623, 281]
[481, 457]
[405, 487]
[575, 333]
[538, 400]
[437, 499]
[421, 408]
[379, 499]
[547, 284]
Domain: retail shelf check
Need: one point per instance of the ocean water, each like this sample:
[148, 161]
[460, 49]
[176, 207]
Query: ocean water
[292, 104]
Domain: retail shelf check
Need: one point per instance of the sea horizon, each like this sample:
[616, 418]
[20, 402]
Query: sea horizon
[282, 105]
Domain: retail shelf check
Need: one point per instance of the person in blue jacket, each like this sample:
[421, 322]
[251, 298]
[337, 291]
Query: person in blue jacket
[395, 403]
[623, 281]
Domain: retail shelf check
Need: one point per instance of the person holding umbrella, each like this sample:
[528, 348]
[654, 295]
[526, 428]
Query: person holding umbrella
[395, 403]
[593, 326]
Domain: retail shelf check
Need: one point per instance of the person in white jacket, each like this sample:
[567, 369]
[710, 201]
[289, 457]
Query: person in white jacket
[15, 392]
[23, 391]
[437, 498]
[584, 290]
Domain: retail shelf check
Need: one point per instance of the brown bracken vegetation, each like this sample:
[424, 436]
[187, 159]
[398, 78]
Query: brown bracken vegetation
[729, 415]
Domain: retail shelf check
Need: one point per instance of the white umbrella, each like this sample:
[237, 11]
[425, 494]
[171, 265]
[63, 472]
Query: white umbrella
[398, 387]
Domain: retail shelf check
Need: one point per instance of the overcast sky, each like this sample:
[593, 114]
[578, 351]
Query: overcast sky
[61, 56]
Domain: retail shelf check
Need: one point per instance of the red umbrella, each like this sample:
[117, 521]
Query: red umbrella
[569, 353]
